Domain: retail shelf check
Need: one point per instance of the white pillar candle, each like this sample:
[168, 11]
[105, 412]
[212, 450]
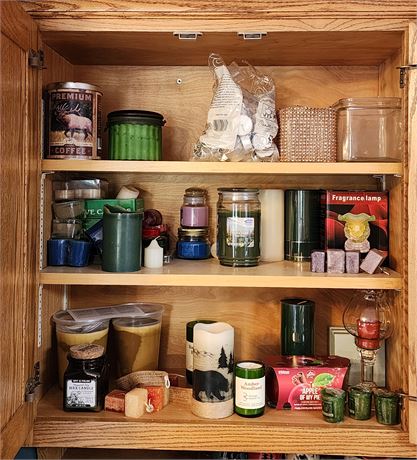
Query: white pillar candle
[272, 225]
[154, 255]
[213, 370]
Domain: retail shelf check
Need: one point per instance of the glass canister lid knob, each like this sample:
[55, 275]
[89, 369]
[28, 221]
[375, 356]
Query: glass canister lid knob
[195, 192]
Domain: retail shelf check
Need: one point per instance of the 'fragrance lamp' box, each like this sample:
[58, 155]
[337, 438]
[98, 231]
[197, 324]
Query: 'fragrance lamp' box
[355, 221]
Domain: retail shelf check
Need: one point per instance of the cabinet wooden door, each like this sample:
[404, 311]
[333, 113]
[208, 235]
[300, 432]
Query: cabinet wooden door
[20, 102]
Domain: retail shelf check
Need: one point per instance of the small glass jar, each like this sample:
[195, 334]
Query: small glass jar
[194, 210]
[238, 226]
[333, 404]
[86, 379]
[193, 243]
[359, 403]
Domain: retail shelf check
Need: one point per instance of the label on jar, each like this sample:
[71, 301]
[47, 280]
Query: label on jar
[241, 232]
[81, 393]
[328, 409]
[189, 358]
[250, 393]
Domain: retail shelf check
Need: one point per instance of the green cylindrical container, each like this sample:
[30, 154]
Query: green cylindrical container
[297, 327]
[333, 404]
[122, 239]
[387, 407]
[302, 224]
[135, 135]
[359, 403]
[249, 388]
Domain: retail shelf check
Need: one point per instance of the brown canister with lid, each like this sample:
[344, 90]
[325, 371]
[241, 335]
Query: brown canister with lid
[73, 121]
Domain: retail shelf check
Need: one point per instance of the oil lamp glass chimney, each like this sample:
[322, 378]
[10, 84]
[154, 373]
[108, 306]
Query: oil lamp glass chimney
[368, 318]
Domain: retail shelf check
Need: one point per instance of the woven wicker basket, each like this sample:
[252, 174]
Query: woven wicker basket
[307, 134]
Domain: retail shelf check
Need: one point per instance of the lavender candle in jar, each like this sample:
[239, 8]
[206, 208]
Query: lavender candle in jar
[194, 211]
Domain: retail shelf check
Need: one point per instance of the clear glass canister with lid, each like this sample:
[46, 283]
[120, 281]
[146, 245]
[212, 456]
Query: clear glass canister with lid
[369, 129]
[194, 210]
[193, 243]
[238, 226]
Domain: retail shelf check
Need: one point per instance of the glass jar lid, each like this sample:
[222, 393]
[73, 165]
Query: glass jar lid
[368, 103]
[195, 192]
[238, 193]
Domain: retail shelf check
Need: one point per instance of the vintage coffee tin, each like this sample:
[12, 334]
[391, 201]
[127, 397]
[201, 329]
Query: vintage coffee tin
[73, 121]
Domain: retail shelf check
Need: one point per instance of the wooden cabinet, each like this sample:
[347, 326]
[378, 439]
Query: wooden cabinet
[316, 54]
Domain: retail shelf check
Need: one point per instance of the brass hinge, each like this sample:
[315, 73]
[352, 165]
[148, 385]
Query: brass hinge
[33, 383]
[403, 73]
[37, 59]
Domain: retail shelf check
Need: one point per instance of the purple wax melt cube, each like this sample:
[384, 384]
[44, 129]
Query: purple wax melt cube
[335, 261]
[318, 261]
[373, 260]
[352, 261]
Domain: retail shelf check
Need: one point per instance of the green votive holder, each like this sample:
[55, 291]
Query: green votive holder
[387, 407]
[359, 403]
[333, 404]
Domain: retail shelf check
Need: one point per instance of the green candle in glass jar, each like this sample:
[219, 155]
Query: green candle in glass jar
[238, 227]
[359, 403]
[333, 404]
[387, 407]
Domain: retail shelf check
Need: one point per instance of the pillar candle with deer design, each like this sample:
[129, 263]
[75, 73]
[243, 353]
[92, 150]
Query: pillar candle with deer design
[213, 370]
[74, 121]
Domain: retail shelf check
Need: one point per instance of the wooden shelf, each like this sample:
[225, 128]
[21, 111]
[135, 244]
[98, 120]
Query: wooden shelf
[191, 167]
[210, 273]
[176, 428]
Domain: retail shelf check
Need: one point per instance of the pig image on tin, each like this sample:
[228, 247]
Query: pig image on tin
[73, 121]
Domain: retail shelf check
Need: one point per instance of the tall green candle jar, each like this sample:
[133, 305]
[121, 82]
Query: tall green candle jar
[238, 226]
[249, 388]
[135, 135]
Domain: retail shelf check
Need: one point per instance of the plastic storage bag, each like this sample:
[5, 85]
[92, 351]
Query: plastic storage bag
[241, 121]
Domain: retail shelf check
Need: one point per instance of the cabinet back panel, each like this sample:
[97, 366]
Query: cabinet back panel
[185, 105]
[254, 313]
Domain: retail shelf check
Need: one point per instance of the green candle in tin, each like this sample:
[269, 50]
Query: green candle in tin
[359, 403]
[387, 407]
[333, 404]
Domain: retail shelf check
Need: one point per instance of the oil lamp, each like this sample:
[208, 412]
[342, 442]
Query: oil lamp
[368, 318]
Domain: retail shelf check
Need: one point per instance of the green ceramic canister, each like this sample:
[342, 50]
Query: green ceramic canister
[333, 404]
[122, 239]
[297, 327]
[135, 135]
[249, 388]
[387, 406]
[302, 224]
[359, 403]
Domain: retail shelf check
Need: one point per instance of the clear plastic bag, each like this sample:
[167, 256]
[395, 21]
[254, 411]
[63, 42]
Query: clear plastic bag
[241, 122]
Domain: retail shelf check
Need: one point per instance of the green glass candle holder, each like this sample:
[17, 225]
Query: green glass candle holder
[359, 403]
[387, 406]
[333, 404]
[249, 388]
